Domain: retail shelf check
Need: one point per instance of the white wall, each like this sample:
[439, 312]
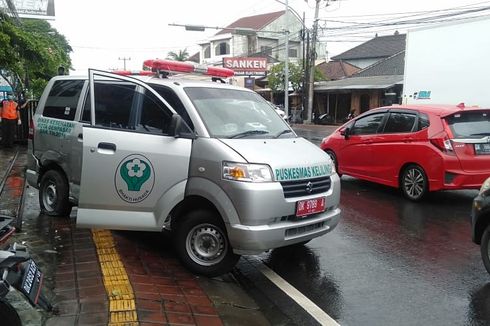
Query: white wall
[450, 61]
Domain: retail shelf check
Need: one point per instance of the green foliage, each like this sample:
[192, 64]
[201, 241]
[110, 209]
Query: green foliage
[275, 77]
[31, 51]
[182, 55]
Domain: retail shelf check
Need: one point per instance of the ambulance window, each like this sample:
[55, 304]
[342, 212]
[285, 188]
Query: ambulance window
[113, 102]
[173, 100]
[63, 99]
[155, 118]
[86, 109]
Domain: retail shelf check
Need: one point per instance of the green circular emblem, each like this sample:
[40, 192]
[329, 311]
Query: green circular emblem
[134, 178]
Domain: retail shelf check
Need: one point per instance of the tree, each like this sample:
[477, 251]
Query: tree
[31, 53]
[275, 77]
[182, 55]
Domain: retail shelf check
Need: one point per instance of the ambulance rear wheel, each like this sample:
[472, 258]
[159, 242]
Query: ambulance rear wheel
[53, 194]
[202, 244]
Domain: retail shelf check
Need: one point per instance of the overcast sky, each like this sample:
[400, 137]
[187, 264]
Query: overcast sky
[104, 31]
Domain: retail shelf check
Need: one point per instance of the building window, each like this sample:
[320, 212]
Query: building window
[293, 53]
[222, 49]
[207, 52]
[266, 50]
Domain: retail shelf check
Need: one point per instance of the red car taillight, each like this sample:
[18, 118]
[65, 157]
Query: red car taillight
[443, 143]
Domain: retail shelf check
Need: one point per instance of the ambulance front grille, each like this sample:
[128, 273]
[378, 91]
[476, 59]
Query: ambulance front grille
[300, 188]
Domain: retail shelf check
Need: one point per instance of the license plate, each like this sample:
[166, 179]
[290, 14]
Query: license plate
[310, 206]
[32, 282]
[482, 149]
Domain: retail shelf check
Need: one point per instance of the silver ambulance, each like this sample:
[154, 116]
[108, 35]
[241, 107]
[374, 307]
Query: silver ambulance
[213, 163]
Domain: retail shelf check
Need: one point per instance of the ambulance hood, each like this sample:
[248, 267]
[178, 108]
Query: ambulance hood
[290, 158]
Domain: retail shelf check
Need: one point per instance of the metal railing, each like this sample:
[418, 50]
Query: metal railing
[26, 115]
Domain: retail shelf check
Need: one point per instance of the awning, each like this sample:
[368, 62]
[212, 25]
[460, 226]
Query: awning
[354, 83]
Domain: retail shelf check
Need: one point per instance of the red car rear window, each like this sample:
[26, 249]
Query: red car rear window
[471, 124]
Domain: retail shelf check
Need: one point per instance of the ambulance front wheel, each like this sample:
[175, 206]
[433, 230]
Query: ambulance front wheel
[202, 244]
[53, 194]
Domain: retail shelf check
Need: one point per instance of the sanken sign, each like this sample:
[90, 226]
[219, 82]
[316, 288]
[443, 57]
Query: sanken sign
[246, 66]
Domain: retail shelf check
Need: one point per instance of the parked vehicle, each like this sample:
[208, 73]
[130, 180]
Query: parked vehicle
[324, 119]
[211, 162]
[480, 222]
[434, 63]
[415, 148]
[18, 272]
[278, 110]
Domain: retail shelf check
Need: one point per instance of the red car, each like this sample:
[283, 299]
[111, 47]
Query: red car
[416, 148]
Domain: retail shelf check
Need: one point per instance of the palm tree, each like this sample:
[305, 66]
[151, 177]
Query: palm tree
[182, 55]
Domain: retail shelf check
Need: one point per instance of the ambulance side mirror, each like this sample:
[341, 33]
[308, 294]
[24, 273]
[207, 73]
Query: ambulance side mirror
[180, 129]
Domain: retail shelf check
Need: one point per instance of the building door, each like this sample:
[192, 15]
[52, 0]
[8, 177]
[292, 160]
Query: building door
[365, 98]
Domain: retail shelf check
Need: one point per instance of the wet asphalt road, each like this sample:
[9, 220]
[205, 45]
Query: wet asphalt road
[391, 261]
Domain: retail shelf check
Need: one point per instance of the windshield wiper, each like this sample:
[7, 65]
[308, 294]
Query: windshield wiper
[249, 132]
[285, 131]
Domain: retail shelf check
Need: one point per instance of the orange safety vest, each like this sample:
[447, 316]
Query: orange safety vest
[9, 110]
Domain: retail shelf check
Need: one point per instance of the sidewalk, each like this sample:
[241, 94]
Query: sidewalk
[100, 277]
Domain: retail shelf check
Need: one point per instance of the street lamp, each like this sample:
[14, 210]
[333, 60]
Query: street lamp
[194, 28]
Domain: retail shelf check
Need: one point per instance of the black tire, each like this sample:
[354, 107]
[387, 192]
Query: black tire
[485, 248]
[413, 182]
[53, 194]
[202, 244]
[334, 159]
[8, 315]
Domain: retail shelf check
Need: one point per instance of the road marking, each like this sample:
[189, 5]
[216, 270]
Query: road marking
[309, 306]
[122, 306]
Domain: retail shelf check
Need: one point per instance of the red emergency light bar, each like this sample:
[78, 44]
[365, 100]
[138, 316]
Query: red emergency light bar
[134, 73]
[187, 67]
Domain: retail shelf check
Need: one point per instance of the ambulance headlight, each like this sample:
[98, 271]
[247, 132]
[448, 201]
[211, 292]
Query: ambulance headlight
[247, 172]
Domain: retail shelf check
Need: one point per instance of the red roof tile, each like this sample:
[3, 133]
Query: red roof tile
[334, 70]
[256, 22]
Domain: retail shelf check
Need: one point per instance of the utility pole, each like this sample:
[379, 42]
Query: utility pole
[125, 59]
[286, 64]
[306, 50]
[312, 62]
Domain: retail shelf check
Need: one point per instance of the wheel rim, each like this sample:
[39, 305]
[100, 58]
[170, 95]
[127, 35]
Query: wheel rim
[50, 196]
[206, 244]
[414, 183]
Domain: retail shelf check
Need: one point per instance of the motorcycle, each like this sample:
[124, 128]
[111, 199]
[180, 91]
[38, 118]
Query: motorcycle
[18, 271]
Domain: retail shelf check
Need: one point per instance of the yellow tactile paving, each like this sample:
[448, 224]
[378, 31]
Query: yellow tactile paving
[122, 307]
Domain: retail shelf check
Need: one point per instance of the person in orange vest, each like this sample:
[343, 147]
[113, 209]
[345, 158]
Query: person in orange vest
[9, 117]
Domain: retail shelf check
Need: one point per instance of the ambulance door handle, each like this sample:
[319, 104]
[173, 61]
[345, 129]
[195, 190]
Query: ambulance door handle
[106, 148]
[80, 136]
